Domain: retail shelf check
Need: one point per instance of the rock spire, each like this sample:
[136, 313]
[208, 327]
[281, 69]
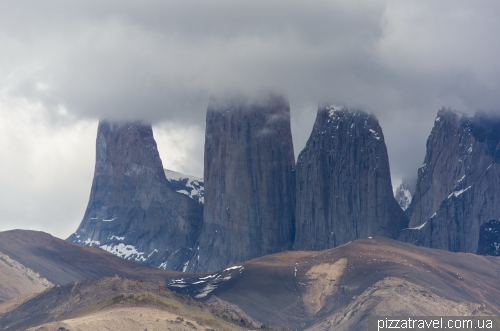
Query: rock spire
[344, 189]
[132, 211]
[458, 186]
[249, 181]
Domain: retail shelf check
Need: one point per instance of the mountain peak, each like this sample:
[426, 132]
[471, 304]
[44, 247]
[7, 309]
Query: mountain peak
[249, 182]
[344, 189]
[133, 212]
[457, 190]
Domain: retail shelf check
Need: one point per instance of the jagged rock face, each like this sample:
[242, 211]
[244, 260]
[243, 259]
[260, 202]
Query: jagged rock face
[249, 182]
[132, 211]
[447, 147]
[458, 188]
[405, 191]
[344, 189]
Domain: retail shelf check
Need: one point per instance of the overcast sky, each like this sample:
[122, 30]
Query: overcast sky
[65, 64]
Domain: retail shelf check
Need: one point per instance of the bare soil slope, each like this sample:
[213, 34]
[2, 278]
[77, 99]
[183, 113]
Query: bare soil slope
[301, 289]
[43, 256]
[16, 279]
[332, 289]
[117, 304]
[131, 318]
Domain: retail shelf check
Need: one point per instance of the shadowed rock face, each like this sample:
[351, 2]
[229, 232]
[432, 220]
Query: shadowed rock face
[443, 167]
[489, 239]
[132, 211]
[458, 185]
[249, 182]
[344, 189]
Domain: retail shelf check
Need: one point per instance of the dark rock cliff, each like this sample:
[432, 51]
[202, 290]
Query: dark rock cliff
[447, 148]
[344, 189]
[489, 238]
[458, 187]
[249, 182]
[132, 211]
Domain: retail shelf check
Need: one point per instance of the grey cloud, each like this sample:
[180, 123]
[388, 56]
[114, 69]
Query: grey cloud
[162, 60]
[160, 57]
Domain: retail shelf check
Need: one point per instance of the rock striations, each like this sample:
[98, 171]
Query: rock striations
[132, 210]
[458, 186]
[447, 146]
[344, 189]
[253, 202]
[249, 182]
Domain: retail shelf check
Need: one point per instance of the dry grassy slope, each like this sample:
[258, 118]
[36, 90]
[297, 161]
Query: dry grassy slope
[396, 297]
[296, 289]
[61, 262]
[16, 302]
[118, 304]
[16, 279]
[326, 282]
[132, 318]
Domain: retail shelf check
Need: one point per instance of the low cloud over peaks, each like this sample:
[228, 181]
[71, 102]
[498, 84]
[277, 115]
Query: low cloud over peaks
[161, 61]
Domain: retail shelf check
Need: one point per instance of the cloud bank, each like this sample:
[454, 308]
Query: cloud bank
[63, 65]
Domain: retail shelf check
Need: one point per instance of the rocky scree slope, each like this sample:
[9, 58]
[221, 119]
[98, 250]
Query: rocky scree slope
[456, 204]
[133, 212]
[249, 182]
[344, 189]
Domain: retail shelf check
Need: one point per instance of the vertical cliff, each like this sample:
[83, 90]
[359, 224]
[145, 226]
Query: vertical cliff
[447, 147]
[344, 189]
[132, 211]
[249, 182]
[458, 187]
[489, 239]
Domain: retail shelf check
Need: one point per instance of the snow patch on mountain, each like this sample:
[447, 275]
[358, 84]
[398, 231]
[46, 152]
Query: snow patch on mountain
[406, 199]
[458, 193]
[127, 252]
[90, 242]
[404, 192]
[332, 109]
[418, 227]
[375, 134]
[191, 186]
[203, 286]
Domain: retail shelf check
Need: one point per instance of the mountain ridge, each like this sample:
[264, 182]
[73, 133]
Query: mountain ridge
[61, 262]
[307, 290]
[458, 187]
